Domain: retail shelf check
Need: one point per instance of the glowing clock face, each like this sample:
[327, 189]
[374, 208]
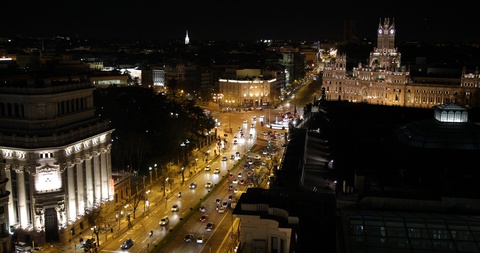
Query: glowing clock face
[392, 31]
[380, 31]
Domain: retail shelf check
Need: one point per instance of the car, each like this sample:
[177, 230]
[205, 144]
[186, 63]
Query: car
[224, 159]
[128, 243]
[239, 174]
[200, 239]
[164, 221]
[235, 181]
[210, 226]
[207, 168]
[231, 175]
[202, 209]
[230, 187]
[193, 185]
[235, 190]
[235, 142]
[242, 181]
[175, 208]
[188, 238]
[245, 121]
[218, 201]
[250, 185]
[221, 209]
[225, 204]
[208, 185]
[203, 218]
[232, 157]
[257, 157]
[233, 204]
[216, 171]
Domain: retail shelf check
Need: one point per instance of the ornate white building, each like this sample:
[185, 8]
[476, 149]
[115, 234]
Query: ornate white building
[56, 154]
[385, 81]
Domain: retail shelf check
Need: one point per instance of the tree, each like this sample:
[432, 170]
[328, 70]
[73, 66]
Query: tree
[98, 218]
[134, 202]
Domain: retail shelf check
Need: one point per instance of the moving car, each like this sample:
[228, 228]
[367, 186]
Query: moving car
[216, 171]
[188, 238]
[200, 239]
[208, 185]
[220, 209]
[209, 226]
[127, 244]
[175, 208]
[207, 168]
[203, 218]
[164, 221]
[193, 185]
[224, 158]
[202, 209]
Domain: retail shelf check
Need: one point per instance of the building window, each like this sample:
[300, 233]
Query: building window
[274, 244]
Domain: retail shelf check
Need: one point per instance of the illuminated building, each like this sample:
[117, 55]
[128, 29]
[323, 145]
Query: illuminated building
[251, 88]
[384, 81]
[57, 156]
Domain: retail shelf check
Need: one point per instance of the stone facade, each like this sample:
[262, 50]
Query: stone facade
[57, 157]
[385, 81]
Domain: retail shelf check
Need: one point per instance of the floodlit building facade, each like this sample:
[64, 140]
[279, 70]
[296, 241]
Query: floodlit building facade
[384, 81]
[56, 154]
[251, 88]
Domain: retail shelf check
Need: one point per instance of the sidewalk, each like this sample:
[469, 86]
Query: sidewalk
[143, 209]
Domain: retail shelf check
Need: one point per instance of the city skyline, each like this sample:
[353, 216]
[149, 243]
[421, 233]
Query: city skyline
[245, 20]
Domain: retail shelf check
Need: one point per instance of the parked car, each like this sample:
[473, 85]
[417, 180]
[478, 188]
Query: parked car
[164, 221]
[127, 244]
[208, 167]
[193, 185]
[208, 185]
[202, 209]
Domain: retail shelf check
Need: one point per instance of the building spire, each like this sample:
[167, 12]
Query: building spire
[187, 40]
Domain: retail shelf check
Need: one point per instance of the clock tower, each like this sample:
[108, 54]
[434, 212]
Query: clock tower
[385, 55]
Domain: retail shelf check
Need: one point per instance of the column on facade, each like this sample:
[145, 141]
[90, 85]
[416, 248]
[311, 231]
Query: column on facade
[12, 216]
[89, 182]
[22, 199]
[72, 205]
[80, 188]
[109, 173]
[105, 182]
[97, 177]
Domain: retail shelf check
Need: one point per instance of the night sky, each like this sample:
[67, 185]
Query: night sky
[239, 20]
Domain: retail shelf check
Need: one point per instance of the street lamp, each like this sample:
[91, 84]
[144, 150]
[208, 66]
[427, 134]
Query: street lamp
[165, 188]
[182, 145]
[183, 174]
[150, 170]
[196, 161]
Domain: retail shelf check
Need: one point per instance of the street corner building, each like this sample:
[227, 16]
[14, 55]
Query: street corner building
[56, 158]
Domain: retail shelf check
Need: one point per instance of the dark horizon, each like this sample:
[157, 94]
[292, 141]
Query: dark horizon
[246, 20]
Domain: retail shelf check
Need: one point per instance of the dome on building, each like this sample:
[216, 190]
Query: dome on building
[449, 129]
